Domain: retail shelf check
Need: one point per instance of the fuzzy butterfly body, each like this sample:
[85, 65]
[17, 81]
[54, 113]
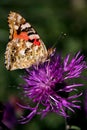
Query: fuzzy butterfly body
[25, 47]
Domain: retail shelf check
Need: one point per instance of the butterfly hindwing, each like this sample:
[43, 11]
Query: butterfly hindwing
[25, 47]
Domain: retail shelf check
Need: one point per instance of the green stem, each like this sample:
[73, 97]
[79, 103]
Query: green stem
[67, 127]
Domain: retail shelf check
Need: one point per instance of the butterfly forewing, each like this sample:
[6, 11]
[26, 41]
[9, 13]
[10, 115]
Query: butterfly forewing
[25, 47]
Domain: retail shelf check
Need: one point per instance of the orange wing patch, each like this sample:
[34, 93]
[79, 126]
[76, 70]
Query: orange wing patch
[22, 35]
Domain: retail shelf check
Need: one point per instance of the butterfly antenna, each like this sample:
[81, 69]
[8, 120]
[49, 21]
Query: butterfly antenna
[61, 36]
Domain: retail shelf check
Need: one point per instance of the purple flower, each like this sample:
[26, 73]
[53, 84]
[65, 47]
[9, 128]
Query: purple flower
[8, 118]
[85, 103]
[48, 86]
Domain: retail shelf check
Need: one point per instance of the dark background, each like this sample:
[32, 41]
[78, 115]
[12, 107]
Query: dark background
[49, 18]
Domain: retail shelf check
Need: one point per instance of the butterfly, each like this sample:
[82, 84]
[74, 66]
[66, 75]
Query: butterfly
[25, 47]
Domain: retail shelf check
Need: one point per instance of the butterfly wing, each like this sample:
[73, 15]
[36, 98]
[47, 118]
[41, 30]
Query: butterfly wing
[25, 47]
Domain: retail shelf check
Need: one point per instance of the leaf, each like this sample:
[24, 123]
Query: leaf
[75, 128]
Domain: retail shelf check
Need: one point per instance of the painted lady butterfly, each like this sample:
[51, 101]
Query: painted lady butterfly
[25, 47]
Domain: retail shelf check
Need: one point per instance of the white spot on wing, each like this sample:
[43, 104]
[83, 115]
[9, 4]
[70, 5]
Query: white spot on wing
[35, 48]
[34, 36]
[26, 25]
[16, 27]
[28, 44]
[22, 52]
[19, 18]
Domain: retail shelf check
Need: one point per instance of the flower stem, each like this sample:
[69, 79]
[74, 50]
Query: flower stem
[67, 127]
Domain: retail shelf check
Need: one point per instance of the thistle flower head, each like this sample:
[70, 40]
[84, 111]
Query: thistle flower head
[48, 85]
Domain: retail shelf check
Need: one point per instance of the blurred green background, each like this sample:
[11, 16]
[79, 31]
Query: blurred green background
[49, 18]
